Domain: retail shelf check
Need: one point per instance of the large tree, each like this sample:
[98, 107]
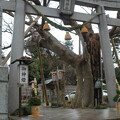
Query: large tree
[81, 64]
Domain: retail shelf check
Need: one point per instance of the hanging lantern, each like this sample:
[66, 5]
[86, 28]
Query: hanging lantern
[54, 76]
[60, 74]
[84, 30]
[67, 36]
[46, 27]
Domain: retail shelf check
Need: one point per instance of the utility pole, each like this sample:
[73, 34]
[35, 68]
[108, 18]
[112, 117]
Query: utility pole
[42, 74]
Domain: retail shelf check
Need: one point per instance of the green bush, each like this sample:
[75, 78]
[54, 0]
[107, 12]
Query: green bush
[33, 93]
[15, 113]
[26, 110]
[34, 101]
[55, 104]
[105, 98]
[118, 92]
[100, 107]
[116, 98]
[69, 101]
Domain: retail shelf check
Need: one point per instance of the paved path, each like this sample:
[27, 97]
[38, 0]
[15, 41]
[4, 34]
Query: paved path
[75, 114]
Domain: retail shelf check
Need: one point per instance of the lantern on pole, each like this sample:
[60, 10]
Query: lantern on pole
[60, 74]
[23, 74]
[54, 75]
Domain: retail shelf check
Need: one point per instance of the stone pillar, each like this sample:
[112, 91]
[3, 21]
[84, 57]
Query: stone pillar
[107, 56]
[17, 52]
[0, 32]
[3, 93]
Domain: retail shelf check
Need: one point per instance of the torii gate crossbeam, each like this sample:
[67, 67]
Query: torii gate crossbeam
[52, 12]
[108, 4]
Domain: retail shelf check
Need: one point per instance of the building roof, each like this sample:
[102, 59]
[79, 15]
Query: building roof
[48, 81]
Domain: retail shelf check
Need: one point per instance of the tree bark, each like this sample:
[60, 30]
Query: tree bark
[77, 101]
[88, 92]
[51, 43]
[81, 63]
[83, 97]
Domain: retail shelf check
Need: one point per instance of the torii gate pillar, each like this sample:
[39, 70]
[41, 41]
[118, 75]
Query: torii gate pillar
[107, 56]
[17, 52]
[0, 32]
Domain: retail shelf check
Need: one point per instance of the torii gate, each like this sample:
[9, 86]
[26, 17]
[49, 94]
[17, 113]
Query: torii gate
[102, 20]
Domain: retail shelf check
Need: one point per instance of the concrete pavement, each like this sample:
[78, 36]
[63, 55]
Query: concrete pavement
[75, 114]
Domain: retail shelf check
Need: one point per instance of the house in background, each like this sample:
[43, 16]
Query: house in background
[51, 92]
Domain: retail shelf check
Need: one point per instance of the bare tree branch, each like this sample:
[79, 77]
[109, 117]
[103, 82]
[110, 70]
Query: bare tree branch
[6, 47]
[37, 2]
[51, 43]
[115, 29]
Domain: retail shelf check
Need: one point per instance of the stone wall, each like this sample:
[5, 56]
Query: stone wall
[3, 93]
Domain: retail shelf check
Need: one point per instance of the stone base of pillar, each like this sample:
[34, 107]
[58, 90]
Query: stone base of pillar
[4, 93]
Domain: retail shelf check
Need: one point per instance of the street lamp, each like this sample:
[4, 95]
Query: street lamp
[56, 76]
[60, 74]
[67, 7]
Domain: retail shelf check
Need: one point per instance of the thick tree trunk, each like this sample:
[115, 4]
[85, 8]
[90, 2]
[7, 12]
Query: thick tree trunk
[61, 92]
[77, 102]
[85, 91]
[51, 43]
[83, 97]
[88, 93]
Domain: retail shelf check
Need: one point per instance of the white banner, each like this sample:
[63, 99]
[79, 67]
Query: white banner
[23, 74]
